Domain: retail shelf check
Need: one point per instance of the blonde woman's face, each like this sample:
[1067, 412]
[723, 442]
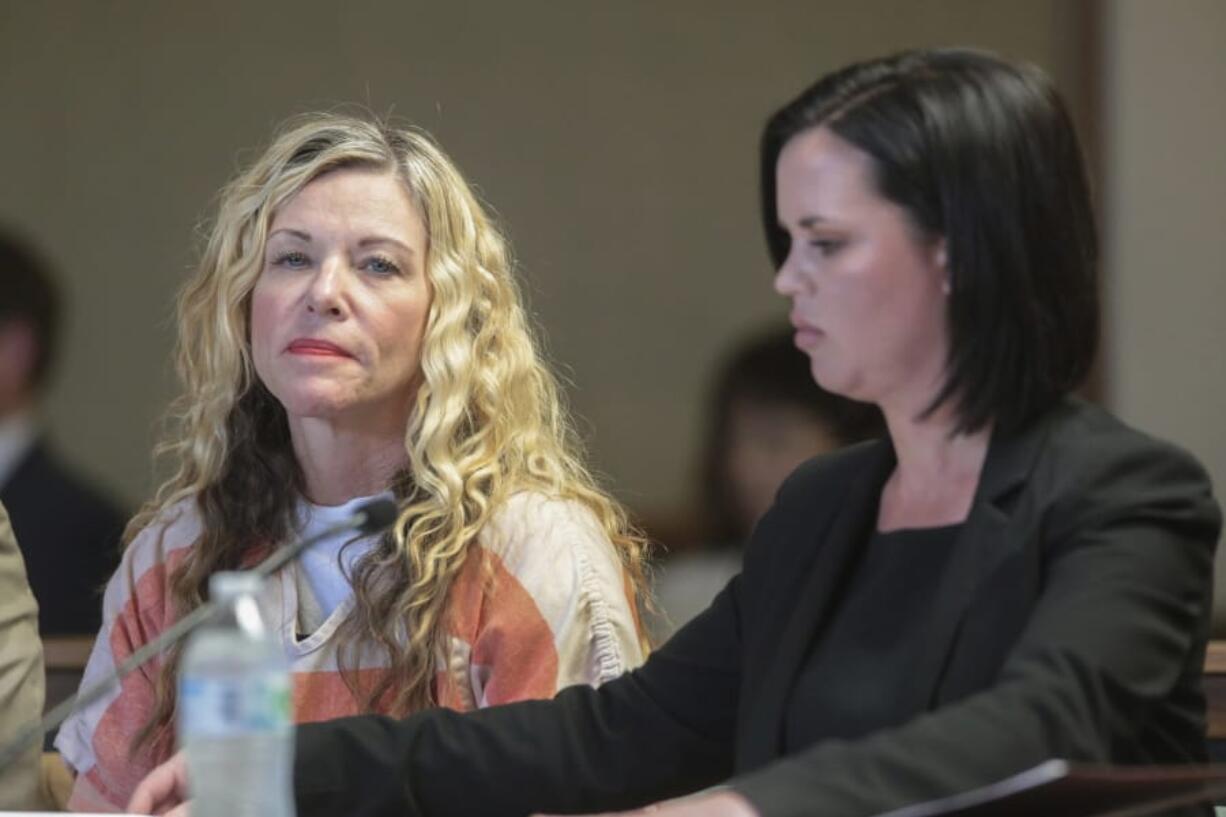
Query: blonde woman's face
[339, 310]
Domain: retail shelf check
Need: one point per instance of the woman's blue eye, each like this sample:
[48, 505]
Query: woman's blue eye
[381, 265]
[292, 259]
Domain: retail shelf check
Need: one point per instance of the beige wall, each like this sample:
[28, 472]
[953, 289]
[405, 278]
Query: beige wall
[1164, 132]
[616, 139]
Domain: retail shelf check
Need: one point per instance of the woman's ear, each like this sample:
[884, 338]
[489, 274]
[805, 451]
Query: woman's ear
[940, 260]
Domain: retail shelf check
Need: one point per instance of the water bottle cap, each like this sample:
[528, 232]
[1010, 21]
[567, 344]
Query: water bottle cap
[229, 584]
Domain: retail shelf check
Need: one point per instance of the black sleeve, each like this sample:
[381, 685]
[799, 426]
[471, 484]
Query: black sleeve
[659, 731]
[1123, 609]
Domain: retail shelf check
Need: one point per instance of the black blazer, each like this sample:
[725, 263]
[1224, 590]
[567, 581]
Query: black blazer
[69, 534]
[1071, 622]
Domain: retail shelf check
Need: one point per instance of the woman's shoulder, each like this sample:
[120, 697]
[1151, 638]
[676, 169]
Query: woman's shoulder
[159, 545]
[531, 526]
[557, 551]
[1091, 467]
[1084, 445]
[172, 528]
[1078, 422]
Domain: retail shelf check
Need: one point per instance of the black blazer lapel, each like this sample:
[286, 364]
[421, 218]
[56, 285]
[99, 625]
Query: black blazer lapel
[988, 537]
[761, 726]
[985, 540]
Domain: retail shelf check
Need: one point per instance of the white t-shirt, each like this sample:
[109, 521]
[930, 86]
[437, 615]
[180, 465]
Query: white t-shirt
[321, 587]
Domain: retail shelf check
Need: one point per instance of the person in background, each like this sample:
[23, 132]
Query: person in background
[354, 330]
[21, 675]
[69, 530]
[766, 417]
[1011, 575]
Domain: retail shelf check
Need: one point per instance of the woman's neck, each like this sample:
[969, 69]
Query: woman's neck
[339, 463]
[937, 471]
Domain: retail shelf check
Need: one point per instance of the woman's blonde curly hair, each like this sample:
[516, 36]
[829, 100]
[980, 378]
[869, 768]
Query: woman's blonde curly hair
[488, 418]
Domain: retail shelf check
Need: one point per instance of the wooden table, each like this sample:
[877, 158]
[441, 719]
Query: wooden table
[1215, 688]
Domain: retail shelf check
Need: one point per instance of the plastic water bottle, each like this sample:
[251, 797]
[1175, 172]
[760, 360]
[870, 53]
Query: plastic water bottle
[234, 710]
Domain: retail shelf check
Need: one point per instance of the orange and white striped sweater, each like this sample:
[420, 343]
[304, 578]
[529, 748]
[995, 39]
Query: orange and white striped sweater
[545, 608]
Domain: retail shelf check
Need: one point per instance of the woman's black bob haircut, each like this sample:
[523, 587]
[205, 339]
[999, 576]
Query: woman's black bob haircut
[981, 152]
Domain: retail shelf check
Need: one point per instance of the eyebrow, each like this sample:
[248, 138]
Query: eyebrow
[375, 240]
[295, 233]
[369, 241]
[806, 223]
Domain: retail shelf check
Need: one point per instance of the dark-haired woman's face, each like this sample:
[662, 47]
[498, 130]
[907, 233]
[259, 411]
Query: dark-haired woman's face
[868, 292]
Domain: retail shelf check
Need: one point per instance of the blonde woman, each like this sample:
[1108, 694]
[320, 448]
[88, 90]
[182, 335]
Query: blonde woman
[354, 330]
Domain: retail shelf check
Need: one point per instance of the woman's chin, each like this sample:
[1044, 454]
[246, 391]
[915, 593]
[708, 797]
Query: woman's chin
[830, 378]
[317, 407]
[368, 417]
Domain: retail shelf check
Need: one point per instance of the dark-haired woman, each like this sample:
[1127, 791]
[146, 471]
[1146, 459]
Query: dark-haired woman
[1013, 575]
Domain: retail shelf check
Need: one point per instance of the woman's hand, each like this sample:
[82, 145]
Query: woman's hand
[717, 804]
[163, 791]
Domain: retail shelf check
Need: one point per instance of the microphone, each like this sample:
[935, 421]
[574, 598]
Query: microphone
[369, 518]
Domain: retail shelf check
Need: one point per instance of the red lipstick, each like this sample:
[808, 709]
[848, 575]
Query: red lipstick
[316, 347]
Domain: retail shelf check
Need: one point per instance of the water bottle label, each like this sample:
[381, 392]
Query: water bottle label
[226, 707]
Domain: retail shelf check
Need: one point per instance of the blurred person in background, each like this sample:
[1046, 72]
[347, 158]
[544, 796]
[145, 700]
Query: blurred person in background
[69, 531]
[766, 416]
[354, 330]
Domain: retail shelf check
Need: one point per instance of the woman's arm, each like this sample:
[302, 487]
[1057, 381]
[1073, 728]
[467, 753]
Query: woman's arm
[545, 608]
[96, 742]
